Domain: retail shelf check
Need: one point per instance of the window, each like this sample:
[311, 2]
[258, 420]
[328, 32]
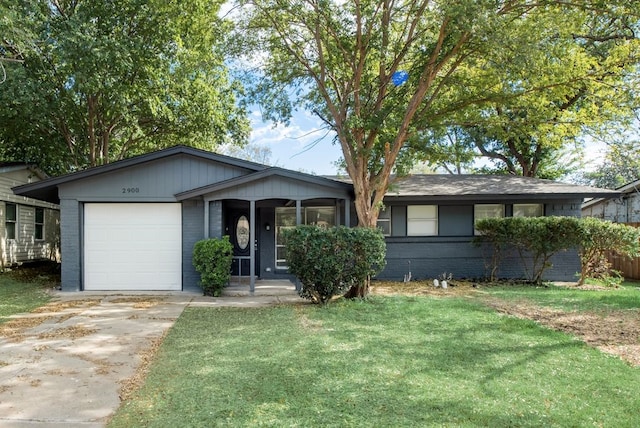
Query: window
[422, 220]
[39, 223]
[481, 211]
[384, 221]
[286, 219]
[320, 216]
[10, 219]
[528, 210]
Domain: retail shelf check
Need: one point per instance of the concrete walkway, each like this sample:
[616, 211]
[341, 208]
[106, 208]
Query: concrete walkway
[66, 363]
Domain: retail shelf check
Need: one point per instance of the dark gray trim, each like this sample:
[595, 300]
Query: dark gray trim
[269, 172]
[47, 190]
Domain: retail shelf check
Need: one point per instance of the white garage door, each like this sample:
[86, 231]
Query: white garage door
[132, 246]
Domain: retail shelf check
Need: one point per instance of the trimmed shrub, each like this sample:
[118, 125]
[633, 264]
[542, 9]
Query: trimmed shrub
[329, 261]
[212, 258]
[536, 240]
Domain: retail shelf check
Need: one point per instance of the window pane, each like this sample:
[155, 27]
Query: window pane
[285, 219]
[528, 210]
[39, 215]
[422, 227]
[384, 221]
[488, 211]
[11, 230]
[39, 232]
[422, 220]
[481, 211]
[321, 216]
[385, 226]
[11, 212]
[422, 212]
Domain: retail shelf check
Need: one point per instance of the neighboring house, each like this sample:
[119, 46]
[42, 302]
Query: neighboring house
[30, 227]
[132, 224]
[625, 209]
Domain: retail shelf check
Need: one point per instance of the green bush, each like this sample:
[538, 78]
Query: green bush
[599, 237]
[212, 259]
[329, 261]
[536, 239]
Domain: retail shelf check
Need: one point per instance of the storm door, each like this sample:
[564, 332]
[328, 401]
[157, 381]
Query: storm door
[242, 237]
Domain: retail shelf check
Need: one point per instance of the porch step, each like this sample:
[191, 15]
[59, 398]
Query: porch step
[264, 287]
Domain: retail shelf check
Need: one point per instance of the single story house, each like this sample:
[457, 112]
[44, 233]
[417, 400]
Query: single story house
[623, 209]
[30, 227]
[132, 224]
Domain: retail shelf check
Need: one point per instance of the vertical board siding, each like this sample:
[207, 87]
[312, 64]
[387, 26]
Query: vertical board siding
[192, 232]
[629, 267]
[71, 244]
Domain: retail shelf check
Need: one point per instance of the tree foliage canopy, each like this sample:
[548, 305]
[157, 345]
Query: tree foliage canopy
[463, 59]
[104, 80]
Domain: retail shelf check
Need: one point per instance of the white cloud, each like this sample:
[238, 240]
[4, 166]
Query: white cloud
[302, 145]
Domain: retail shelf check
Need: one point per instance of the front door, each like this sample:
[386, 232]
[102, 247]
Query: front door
[242, 237]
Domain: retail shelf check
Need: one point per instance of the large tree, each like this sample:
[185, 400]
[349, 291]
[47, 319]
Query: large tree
[347, 61]
[540, 133]
[103, 80]
[620, 165]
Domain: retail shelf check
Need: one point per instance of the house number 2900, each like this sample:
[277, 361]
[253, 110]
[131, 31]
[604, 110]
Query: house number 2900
[130, 190]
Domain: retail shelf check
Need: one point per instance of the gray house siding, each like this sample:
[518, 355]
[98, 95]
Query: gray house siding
[71, 244]
[192, 232]
[154, 181]
[212, 189]
[452, 250]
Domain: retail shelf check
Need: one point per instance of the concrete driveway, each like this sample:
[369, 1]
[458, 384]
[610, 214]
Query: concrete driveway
[71, 362]
[68, 363]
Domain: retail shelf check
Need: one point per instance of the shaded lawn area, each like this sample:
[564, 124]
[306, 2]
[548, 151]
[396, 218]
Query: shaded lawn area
[20, 293]
[387, 361]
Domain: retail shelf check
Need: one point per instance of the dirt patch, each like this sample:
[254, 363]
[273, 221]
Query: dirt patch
[613, 332]
[68, 304]
[424, 288]
[139, 302]
[14, 330]
[132, 384]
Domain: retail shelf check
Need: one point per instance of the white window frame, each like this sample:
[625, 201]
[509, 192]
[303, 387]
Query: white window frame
[422, 220]
[384, 221]
[538, 207]
[13, 222]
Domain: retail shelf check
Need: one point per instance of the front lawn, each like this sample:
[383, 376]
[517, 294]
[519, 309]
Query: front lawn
[24, 289]
[573, 299]
[388, 361]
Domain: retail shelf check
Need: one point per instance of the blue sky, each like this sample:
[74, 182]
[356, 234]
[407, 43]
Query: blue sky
[300, 146]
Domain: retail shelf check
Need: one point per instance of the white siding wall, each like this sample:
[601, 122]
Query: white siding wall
[25, 247]
[626, 210]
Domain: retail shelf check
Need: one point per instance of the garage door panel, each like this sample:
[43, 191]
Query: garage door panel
[133, 246]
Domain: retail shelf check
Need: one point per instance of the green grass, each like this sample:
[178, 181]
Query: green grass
[572, 299]
[388, 361]
[17, 296]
